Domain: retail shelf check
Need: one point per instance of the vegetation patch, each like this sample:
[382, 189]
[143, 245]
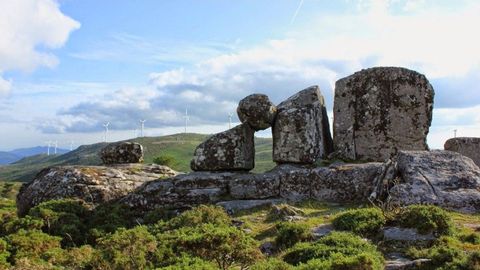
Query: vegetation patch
[364, 221]
[426, 219]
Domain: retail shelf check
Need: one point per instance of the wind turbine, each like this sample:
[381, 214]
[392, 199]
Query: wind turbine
[106, 130]
[142, 127]
[56, 145]
[454, 133]
[186, 119]
[71, 145]
[230, 120]
[49, 143]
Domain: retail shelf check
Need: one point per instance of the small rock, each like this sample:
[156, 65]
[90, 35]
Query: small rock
[268, 248]
[301, 131]
[285, 212]
[469, 147]
[395, 261]
[322, 230]
[231, 150]
[257, 111]
[406, 235]
[121, 153]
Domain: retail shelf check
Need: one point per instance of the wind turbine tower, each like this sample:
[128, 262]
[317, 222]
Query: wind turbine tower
[71, 145]
[49, 144]
[454, 133]
[56, 145]
[230, 120]
[186, 120]
[106, 131]
[142, 127]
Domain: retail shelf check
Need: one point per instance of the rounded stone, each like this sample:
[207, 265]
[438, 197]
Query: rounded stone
[257, 111]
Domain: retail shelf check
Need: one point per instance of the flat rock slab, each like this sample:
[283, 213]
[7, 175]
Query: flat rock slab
[379, 111]
[93, 184]
[240, 205]
[231, 150]
[405, 235]
[467, 146]
[301, 131]
[444, 178]
[399, 262]
[342, 183]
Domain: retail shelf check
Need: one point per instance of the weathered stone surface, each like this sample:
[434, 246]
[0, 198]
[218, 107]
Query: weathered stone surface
[239, 205]
[342, 183]
[92, 184]
[301, 132]
[442, 178]
[467, 146]
[257, 111]
[379, 111]
[121, 153]
[322, 230]
[395, 261]
[231, 150]
[405, 235]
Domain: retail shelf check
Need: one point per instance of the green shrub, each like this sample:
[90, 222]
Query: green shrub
[365, 221]
[199, 215]
[426, 219]
[225, 245]
[15, 224]
[4, 254]
[291, 233]
[127, 249]
[362, 261]
[65, 218]
[108, 218]
[472, 238]
[31, 244]
[328, 248]
[165, 160]
[272, 264]
[187, 263]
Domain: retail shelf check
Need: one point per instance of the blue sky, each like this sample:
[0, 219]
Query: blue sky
[68, 66]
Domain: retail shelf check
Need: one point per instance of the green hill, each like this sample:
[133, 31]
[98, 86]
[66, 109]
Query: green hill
[179, 146]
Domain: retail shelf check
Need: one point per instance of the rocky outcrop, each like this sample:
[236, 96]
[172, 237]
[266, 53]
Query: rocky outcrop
[379, 111]
[467, 146]
[301, 132]
[442, 178]
[122, 153]
[257, 111]
[231, 150]
[337, 183]
[92, 184]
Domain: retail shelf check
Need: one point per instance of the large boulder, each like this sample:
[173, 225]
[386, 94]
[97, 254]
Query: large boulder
[92, 184]
[122, 153]
[301, 131]
[257, 111]
[442, 178]
[379, 111]
[467, 146]
[233, 149]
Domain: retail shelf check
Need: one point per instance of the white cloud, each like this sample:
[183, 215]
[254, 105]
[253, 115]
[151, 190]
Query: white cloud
[5, 86]
[29, 29]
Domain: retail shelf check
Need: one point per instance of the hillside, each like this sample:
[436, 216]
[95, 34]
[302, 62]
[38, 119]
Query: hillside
[7, 158]
[179, 146]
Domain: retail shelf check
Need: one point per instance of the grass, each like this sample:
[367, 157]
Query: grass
[179, 146]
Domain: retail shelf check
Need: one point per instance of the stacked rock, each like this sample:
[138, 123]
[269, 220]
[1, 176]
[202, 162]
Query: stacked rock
[379, 111]
[301, 132]
[234, 149]
[122, 153]
[467, 146]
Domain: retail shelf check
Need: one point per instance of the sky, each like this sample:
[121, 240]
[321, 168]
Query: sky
[69, 66]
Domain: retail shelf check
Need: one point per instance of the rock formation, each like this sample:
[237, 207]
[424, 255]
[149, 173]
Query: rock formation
[345, 183]
[301, 132]
[92, 184]
[257, 111]
[379, 111]
[467, 146]
[233, 149]
[122, 153]
[442, 178]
